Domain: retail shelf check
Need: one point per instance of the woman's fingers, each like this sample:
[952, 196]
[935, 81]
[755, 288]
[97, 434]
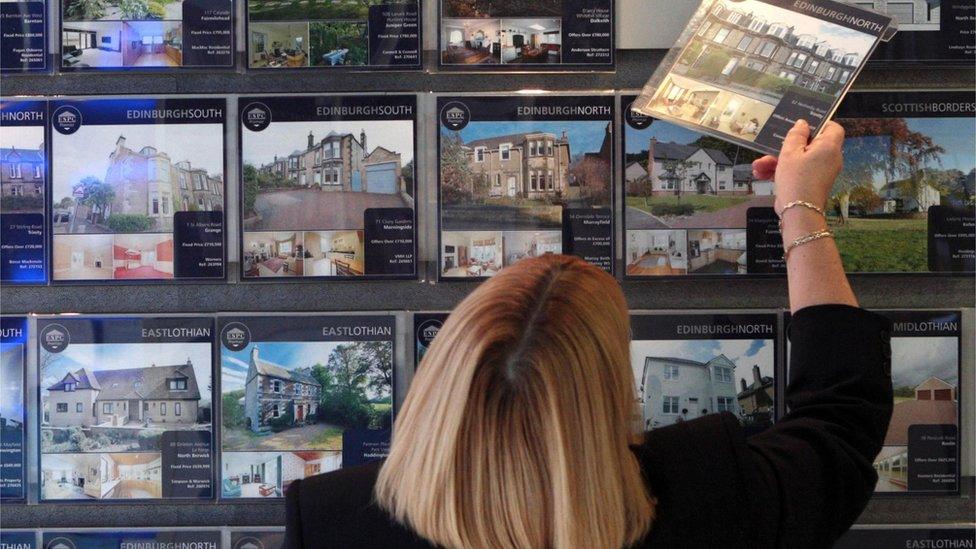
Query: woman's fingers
[764, 168]
[796, 139]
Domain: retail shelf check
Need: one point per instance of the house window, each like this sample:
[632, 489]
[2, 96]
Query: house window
[744, 43]
[836, 56]
[812, 68]
[275, 386]
[183, 181]
[70, 386]
[37, 171]
[155, 205]
[549, 181]
[805, 41]
[162, 408]
[15, 171]
[704, 28]
[796, 59]
[670, 371]
[479, 154]
[721, 35]
[79, 408]
[723, 375]
[177, 408]
[62, 408]
[106, 407]
[274, 410]
[725, 404]
[549, 148]
[166, 201]
[767, 49]
[845, 76]
[177, 384]
[505, 151]
[821, 49]
[730, 66]
[735, 17]
[756, 24]
[831, 72]
[532, 182]
[851, 59]
[670, 405]
[532, 149]
[777, 30]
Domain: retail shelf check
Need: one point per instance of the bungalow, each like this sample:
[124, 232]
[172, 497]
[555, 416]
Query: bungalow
[272, 390]
[131, 396]
[673, 389]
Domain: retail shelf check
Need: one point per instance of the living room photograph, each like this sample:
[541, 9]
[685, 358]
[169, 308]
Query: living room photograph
[657, 253]
[70, 476]
[91, 44]
[278, 45]
[273, 254]
[717, 251]
[520, 245]
[471, 253]
[268, 474]
[152, 43]
[471, 41]
[531, 41]
[334, 253]
[143, 256]
[83, 257]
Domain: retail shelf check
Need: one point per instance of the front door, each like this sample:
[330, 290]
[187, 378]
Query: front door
[300, 414]
[693, 408]
[134, 408]
[512, 186]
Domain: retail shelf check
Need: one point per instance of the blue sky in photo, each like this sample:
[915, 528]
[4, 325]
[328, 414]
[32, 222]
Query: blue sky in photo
[287, 354]
[956, 135]
[637, 140]
[584, 135]
[12, 381]
[743, 352]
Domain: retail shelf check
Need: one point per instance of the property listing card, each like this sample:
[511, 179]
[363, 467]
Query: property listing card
[137, 189]
[146, 34]
[328, 187]
[425, 328]
[127, 538]
[692, 205]
[690, 365]
[126, 408]
[302, 395]
[13, 415]
[521, 177]
[373, 34]
[889, 535]
[747, 70]
[928, 30]
[23, 184]
[905, 199]
[516, 35]
[23, 36]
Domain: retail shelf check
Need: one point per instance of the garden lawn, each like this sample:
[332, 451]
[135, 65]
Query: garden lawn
[883, 245]
[315, 436]
[703, 203]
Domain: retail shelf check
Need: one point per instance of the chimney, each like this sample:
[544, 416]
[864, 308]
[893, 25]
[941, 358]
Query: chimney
[565, 136]
[254, 353]
[189, 362]
[120, 142]
[153, 365]
[756, 376]
[742, 381]
[311, 140]
[362, 141]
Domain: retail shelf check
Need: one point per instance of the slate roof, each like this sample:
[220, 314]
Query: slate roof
[677, 151]
[271, 369]
[148, 383]
[82, 377]
[686, 361]
[26, 155]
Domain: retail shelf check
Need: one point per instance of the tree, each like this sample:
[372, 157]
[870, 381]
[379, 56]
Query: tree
[379, 355]
[97, 195]
[865, 198]
[65, 204]
[869, 149]
[457, 178]
[251, 186]
[913, 157]
[231, 410]
[675, 172]
[593, 176]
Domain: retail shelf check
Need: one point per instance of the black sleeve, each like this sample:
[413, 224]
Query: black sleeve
[293, 516]
[816, 463]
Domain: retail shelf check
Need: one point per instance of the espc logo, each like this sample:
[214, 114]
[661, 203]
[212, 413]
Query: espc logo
[256, 116]
[66, 120]
[55, 338]
[235, 336]
[455, 115]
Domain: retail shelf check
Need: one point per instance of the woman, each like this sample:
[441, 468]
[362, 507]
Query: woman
[518, 431]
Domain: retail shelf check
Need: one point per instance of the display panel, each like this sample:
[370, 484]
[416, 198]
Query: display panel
[23, 173]
[888, 535]
[747, 70]
[368, 34]
[514, 35]
[125, 408]
[522, 177]
[127, 538]
[13, 414]
[21, 539]
[928, 30]
[23, 36]
[146, 35]
[257, 539]
[425, 328]
[329, 187]
[689, 365]
[137, 189]
[302, 395]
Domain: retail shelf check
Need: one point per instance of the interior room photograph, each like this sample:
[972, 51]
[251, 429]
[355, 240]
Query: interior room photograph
[152, 43]
[470, 41]
[657, 253]
[470, 253]
[70, 476]
[268, 474]
[273, 254]
[143, 256]
[277, 45]
[91, 44]
[82, 257]
[101, 476]
[520, 245]
[334, 253]
[526, 41]
[717, 251]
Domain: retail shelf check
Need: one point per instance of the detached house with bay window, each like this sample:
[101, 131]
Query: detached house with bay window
[152, 396]
[673, 389]
[272, 391]
[529, 165]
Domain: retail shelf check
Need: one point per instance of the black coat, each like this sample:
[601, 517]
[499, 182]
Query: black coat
[800, 483]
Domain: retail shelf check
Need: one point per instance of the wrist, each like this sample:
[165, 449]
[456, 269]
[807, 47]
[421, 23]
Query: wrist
[797, 222]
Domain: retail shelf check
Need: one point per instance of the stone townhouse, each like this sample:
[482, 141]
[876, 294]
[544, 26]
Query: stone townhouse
[22, 172]
[271, 391]
[530, 165]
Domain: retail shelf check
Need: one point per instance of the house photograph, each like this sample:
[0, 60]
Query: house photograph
[22, 169]
[531, 41]
[278, 45]
[116, 395]
[83, 257]
[303, 395]
[101, 476]
[657, 253]
[322, 176]
[717, 251]
[471, 253]
[895, 169]
[675, 178]
[273, 254]
[501, 8]
[334, 253]
[911, 15]
[268, 474]
[925, 377]
[134, 178]
[114, 10]
[471, 41]
[278, 10]
[681, 380]
[515, 174]
[142, 256]
[91, 44]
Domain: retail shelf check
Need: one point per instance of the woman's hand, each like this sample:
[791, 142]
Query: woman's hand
[804, 171]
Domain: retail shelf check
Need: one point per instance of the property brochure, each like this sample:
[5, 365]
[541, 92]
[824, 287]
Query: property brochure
[302, 395]
[929, 31]
[521, 177]
[269, 538]
[23, 171]
[137, 189]
[691, 203]
[130, 538]
[23, 36]
[375, 34]
[517, 35]
[689, 365]
[904, 201]
[920, 536]
[125, 408]
[746, 70]
[13, 415]
[146, 34]
[328, 187]
[425, 328]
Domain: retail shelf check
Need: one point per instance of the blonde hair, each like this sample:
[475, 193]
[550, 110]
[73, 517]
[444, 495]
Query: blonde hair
[516, 430]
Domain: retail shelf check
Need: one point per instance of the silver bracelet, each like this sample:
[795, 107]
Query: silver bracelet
[796, 203]
[806, 239]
